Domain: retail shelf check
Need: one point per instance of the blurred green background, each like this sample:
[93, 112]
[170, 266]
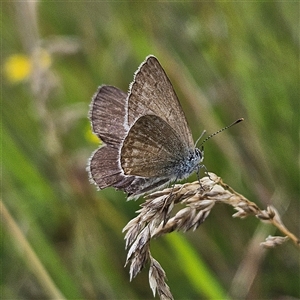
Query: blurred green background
[63, 238]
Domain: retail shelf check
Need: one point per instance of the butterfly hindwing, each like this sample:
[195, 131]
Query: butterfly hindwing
[151, 148]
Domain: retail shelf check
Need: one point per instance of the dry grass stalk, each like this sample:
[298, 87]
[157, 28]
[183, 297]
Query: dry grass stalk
[155, 219]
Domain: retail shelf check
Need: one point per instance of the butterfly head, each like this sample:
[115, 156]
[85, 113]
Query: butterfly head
[199, 154]
[189, 163]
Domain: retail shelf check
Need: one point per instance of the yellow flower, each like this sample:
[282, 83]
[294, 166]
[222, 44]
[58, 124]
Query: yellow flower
[17, 67]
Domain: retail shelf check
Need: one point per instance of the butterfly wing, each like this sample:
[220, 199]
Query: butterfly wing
[107, 115]
[151, 93]
[152, 148]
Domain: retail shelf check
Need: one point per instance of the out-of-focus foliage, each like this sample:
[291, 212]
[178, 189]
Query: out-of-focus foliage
[226, 60]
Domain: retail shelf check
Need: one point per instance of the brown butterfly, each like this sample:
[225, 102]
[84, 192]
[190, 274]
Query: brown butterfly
[147, 141]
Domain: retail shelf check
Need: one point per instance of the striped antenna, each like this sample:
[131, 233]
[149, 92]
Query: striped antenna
[213, 134]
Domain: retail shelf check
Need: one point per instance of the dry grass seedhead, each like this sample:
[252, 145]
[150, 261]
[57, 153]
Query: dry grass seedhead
[156, 218]
[157, 278]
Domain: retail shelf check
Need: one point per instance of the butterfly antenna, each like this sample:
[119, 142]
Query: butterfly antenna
[200, 137]
[213, 134]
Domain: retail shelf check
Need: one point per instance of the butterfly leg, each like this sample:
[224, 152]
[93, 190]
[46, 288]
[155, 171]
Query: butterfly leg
[167, 202]
[198, 174]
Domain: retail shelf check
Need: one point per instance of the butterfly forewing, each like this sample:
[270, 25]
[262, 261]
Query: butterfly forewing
[152, 93]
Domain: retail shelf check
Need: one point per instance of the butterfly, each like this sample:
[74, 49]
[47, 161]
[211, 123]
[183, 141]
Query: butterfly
[147, 141]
